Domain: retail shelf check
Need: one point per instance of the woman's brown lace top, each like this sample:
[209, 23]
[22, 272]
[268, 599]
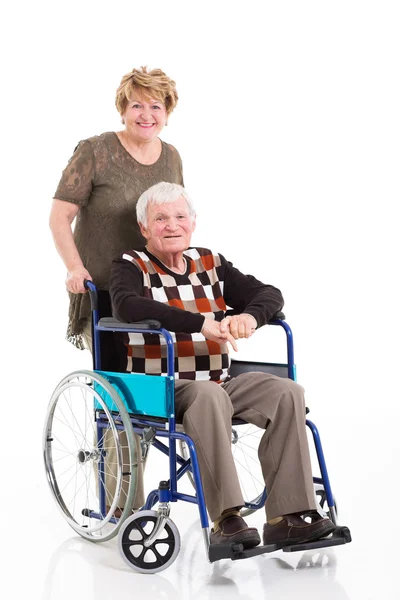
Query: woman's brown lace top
[106, 182]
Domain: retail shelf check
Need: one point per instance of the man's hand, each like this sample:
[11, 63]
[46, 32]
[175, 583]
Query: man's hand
[239, 326]
[75, 279]
[212, 331]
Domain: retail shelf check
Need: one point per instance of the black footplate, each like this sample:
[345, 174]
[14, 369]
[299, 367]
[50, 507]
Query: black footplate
[340, 536]
[237, 551]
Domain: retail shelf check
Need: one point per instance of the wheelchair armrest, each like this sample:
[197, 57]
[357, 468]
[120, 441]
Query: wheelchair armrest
[114, 324]
[279, 315]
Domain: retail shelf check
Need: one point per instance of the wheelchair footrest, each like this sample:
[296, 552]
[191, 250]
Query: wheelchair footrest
[340, 536]
[236, 551]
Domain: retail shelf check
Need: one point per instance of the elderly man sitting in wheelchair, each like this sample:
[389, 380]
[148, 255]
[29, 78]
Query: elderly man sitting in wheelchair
[188, 290]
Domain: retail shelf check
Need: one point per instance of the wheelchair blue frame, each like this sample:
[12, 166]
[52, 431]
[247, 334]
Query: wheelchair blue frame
[169, 493]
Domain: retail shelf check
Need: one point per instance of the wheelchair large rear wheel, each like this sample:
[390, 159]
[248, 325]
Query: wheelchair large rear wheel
[90, 455]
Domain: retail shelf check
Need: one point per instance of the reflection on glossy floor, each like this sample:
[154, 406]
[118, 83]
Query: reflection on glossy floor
[44, 559]
[47, 560]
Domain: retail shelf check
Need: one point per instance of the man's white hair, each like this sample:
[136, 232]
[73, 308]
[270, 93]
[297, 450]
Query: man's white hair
[162, 193]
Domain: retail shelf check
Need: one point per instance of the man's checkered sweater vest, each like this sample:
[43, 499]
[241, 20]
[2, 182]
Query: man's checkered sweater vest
[199, 291]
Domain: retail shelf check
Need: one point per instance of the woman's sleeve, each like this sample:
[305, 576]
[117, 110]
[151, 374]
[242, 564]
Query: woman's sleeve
[130, 306]
[175, 165]
[182, 183]
[77, 179]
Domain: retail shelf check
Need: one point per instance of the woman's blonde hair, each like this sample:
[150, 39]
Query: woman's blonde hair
[147, 84]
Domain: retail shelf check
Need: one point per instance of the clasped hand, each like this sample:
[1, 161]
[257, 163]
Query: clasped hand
[229, 329]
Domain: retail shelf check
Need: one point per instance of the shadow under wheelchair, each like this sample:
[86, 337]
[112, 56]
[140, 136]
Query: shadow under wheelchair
[98, 573]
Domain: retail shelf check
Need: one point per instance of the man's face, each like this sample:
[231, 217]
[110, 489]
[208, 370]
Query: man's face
[169, 227]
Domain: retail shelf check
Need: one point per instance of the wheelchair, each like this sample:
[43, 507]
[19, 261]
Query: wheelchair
[92, 455]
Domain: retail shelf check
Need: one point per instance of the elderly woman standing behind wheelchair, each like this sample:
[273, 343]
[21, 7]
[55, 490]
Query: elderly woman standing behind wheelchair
[101, 185]
[100, 188]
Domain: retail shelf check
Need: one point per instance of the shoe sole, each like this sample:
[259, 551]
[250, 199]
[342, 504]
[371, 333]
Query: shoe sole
[250, 542]
[247, 542]
[313, 537]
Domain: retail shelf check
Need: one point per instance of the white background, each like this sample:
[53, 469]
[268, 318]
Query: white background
[288, 125]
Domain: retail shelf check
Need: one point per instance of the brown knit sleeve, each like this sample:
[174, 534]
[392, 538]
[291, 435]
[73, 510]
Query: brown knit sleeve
[77, 179]
[174, 163]
[180, 170]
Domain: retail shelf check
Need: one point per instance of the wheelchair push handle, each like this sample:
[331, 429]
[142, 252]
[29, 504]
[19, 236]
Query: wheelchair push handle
[89, 285]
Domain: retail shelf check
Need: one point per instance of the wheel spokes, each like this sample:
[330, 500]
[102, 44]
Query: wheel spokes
[83, 455]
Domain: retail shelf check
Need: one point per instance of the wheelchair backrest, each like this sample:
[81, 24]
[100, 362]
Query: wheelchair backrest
[243, 366]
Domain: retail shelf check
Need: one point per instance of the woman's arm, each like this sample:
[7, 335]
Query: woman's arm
[73, 192]
[61, 217]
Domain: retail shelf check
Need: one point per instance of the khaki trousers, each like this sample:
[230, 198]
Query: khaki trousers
[206, 410]
[272, 403]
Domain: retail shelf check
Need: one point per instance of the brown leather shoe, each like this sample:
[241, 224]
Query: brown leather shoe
[236, 531]
[293, 529]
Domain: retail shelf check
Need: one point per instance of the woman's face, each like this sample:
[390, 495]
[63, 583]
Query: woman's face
[144, 119]
[169, 227]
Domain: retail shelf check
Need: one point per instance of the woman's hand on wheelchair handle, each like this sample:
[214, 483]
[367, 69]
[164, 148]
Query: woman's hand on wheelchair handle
[75, 280]
[212, 331]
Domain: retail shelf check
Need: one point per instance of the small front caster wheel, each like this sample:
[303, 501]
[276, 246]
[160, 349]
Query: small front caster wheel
[156, 556]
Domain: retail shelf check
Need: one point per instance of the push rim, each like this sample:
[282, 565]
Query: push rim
[74, 458]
